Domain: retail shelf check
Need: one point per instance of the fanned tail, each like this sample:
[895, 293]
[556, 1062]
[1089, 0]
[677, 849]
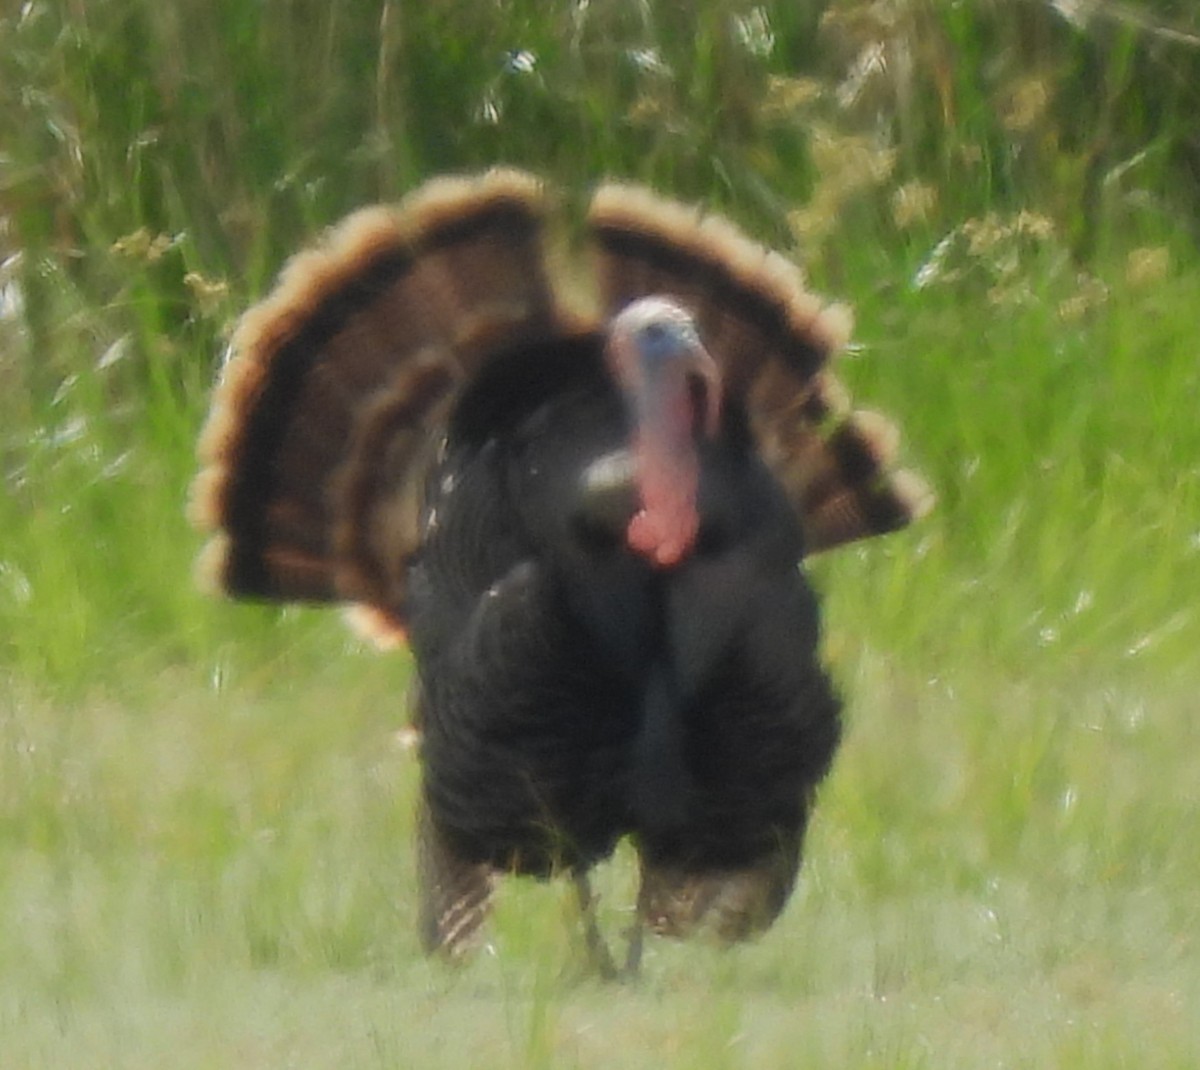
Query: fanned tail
[338, 384]
[772, 339]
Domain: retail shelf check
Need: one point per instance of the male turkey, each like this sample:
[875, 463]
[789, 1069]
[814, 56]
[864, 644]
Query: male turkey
[588, 527]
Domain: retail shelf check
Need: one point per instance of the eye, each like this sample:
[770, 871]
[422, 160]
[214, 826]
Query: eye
[657, 339]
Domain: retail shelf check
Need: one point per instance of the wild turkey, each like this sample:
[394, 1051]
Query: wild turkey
[588, 526]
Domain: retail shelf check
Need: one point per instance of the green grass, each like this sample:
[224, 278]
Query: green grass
[205, 810]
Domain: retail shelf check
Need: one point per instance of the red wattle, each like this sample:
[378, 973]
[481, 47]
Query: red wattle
[664, 529]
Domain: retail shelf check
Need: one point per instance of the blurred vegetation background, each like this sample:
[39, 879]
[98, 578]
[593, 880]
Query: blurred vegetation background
[1008, 192]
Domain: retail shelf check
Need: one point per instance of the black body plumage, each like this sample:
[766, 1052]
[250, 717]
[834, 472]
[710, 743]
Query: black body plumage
[572, 693]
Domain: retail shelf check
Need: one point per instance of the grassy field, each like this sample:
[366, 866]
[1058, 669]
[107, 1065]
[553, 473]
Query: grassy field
[205, 808]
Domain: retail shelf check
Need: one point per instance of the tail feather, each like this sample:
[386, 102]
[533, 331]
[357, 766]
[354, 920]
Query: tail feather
[772, 339]
[844, 481]
[853, 512]
[374, 331]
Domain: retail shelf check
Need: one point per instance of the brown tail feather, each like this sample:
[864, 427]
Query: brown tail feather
[772, 340]
[859, 511]
[847, 487]
[371, 333]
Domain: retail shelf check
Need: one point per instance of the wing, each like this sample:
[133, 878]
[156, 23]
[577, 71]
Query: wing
[339, 384]
[773, 341]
